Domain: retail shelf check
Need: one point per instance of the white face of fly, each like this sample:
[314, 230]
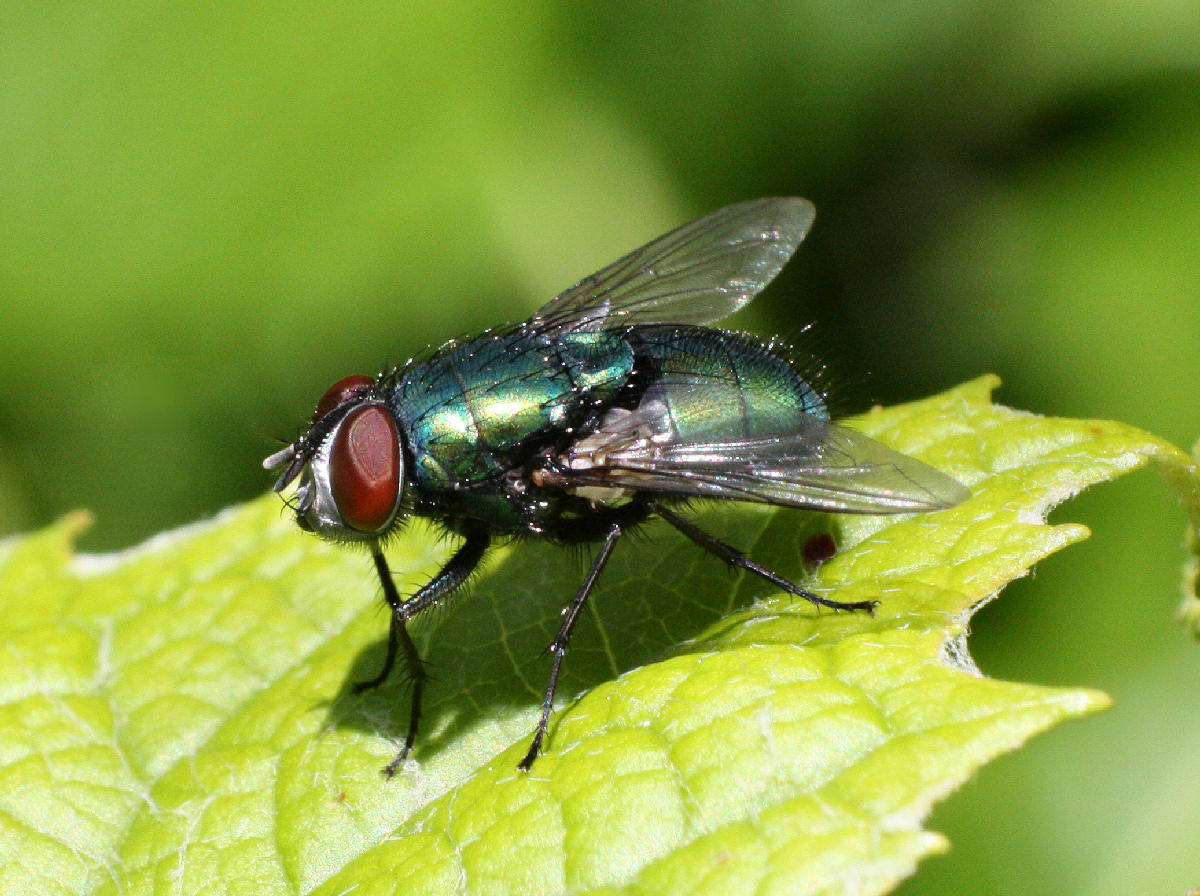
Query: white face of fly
[316, 510]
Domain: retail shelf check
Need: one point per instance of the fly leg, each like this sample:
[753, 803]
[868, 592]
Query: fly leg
[559, 647]
[453, 574]
[734, 557]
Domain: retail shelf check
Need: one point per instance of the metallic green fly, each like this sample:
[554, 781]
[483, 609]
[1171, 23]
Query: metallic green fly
[613, 404]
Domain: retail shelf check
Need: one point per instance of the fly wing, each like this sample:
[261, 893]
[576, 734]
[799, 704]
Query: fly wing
[697, 274]
[822, 466]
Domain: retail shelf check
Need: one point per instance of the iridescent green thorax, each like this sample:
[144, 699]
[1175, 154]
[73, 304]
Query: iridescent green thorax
[475, 410]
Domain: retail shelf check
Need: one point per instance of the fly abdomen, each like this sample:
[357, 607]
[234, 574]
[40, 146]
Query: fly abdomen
[717, 386]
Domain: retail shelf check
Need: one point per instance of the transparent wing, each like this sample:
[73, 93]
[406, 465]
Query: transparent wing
[823, 466]
[697, 274]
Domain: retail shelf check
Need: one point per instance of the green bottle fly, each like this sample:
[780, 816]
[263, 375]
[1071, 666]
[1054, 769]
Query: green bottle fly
[614, 403]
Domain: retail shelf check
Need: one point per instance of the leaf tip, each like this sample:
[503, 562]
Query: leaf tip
[75, 523]
[1084, 701]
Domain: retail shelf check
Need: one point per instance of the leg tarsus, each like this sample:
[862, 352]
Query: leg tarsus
[414, 717]
[734, 557]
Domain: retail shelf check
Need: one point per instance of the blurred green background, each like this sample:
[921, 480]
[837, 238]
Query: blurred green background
[210, 212]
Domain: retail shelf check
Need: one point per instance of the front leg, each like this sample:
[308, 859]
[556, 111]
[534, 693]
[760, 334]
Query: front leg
[456, 571]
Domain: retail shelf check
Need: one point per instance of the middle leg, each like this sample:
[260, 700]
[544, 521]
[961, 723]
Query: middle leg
[558, 648]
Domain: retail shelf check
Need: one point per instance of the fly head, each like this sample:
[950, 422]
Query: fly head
[350, 464]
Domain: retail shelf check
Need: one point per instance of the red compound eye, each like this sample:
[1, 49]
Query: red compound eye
[339, 392]
[364, 468]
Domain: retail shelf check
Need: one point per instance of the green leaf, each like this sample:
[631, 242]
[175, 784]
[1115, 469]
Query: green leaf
[179, 718]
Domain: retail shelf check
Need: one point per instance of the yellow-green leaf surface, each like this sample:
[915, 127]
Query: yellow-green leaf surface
[180, 718]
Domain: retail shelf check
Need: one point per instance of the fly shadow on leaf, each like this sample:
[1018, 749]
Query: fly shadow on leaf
[486, 651]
